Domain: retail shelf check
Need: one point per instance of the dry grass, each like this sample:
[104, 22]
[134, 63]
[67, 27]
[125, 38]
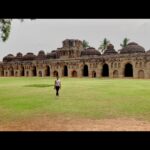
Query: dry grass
[47, 123]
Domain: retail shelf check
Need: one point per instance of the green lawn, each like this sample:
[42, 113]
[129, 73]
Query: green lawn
[22, 98]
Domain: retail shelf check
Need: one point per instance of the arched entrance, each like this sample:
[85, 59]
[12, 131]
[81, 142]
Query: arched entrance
[55, 73]
[105, 71]
[93, 74]
[85, 71]
[115, 74]
[22, 71]
[40, 73]
[34, 71]
[6, 73]
[141, 74]
[128, 72]
[47, 71]
[65, 71]
[74, 73]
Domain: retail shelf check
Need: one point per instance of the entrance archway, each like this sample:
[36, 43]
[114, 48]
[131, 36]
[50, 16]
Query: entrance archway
[22, 71]
[47, 71]
[74, 73]
[85, 71]
[34, 71]
[93, 74]
[128, 72]
[105, 71]
[65, 71]
[55, 73]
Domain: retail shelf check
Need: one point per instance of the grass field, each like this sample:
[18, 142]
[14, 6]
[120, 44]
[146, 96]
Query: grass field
[27, 98]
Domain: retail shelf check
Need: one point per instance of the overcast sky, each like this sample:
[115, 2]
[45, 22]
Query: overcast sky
[48, 34]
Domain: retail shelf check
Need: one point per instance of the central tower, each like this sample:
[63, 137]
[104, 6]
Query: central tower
[71, 48]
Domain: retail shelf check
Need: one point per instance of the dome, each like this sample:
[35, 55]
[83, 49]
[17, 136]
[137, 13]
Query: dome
[41, 55]
[132, 48]
[19, 54]
[29, 56]
[41, 52]
[53, 54]
[90, 51]
[110, 50]
[8, 58]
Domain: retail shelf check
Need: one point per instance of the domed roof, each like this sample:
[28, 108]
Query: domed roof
[41, 55]
[53, 54]
[29, 56]
[110, 50]
[8, 58]
[90, 51]
[19, 54]
[132, 47]
[41, 52]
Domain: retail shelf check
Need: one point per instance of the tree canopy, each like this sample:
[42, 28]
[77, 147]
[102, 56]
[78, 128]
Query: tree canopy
[85, 44]
[104, 45]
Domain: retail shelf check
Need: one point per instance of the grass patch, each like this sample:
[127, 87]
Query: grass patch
[81, 97]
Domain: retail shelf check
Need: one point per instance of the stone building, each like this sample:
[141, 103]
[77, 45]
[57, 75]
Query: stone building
[72, 60]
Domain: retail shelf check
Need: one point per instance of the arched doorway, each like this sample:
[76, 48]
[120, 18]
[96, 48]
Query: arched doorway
[55, 73]
[22, 71]
[47, 71]
[40, 73]
[115, 74]
[105, 70]
[34, 71]
[6, 73]
[85, 71]
[93, 74]
[65, 71]
[141, 74]
[74, 73]
[128, 72]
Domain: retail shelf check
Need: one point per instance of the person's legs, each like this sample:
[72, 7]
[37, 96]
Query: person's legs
[57, 91]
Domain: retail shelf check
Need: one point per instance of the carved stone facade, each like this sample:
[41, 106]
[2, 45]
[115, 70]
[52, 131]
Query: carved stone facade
[72, 60]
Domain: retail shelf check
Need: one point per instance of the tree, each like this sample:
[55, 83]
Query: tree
[104, 45]
[5, 28]
[85, 44]
[125, 42]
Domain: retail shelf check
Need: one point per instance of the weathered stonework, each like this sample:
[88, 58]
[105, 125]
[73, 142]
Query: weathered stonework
[72, 60]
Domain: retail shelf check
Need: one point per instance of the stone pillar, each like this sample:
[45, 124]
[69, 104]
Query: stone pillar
[69, 72]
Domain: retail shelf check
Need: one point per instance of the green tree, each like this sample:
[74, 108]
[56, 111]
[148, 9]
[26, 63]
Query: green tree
[5, 28]
[104, 45]
[125, 42]
[85, 44]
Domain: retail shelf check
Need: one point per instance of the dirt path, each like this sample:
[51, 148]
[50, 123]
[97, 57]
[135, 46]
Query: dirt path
[69, 124]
